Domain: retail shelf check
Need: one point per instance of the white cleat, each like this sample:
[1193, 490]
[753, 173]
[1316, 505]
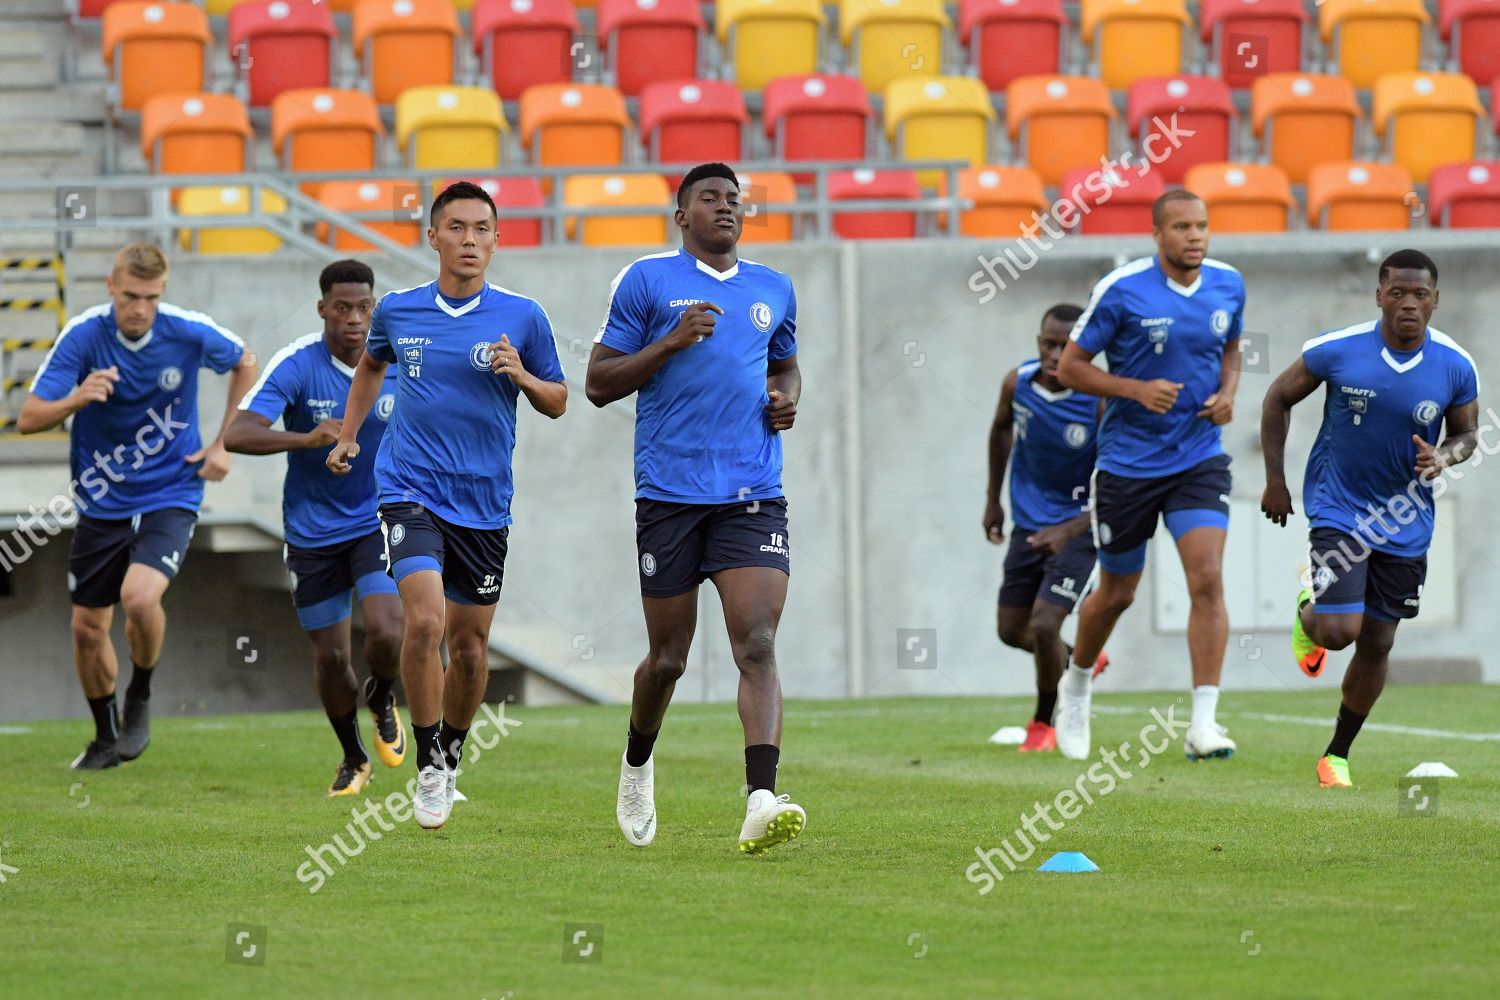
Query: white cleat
[433, 802]
[454, 795]
[770, 819]
[1205, 742]
[1073, 737]
[635, 805]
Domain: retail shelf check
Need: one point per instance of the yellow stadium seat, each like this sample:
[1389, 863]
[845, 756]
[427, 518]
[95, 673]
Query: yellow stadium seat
[938, 118]
[1370, 38]
[648, 191]
[891, 39]
[1134, 39]
[1427, 119]
[457, 127]
[766, 39]
[220, 201]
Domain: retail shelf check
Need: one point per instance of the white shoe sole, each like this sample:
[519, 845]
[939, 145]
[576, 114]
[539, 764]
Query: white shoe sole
[782, 828]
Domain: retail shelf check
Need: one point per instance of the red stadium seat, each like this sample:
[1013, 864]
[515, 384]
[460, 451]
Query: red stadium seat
[874, 185]
[514, 192]
[817, 118]
[1472, 30]
[405, 43]
[650, 41]
[1250, 38]
[1111, 201]
[1007, 39]
[154, 48]
[1465, 195]
[281, 45]
[195, 134]
[1197, 104]
[85, 9]
[693, 122]
[521, 43]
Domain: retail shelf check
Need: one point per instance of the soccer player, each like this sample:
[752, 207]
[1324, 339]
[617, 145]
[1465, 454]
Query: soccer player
[708, 340]
[127, 372]
[1051, 555]
[465, 350]
[1169, 326]
[334, 547]
[1394, 386]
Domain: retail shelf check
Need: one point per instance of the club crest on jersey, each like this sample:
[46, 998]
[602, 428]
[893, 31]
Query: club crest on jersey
[169, 379]
[648, 564]
[760, 315]
[385, 406]
[398, 533]
[1220, 321]
[479, 356]
[1426, 412]
[1077, 435]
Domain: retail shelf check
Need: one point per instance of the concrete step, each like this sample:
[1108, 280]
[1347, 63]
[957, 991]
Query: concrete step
[41, 138]
[26, 10]
[69, 102]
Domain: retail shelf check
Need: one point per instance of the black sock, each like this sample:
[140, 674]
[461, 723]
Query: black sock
[106, 727]
[1046, 701]
[425, 742]
[347, 730]
[638, 746]
[140, 683]
[1344, 731]
[452, 742]
[380, 690]
[760, 766]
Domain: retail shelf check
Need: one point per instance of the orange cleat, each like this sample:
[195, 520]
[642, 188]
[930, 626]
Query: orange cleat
[1039, 737]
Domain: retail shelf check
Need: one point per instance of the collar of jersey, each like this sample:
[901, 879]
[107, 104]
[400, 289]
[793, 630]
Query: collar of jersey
[1402, 367]
[455, 311]
[1044, 392]
[137, 343]
[338, 365]
[721, 275]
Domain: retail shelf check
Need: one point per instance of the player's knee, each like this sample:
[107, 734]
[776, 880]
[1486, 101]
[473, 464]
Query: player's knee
[663, 666]
[330, 661]
[425, 628]
[756, 650]
[1114, 598]
[1375, 643]
[88, 631]
[1206, 589]
[383, 645]
[468, 651]
[1046, 628]
[1013, 635]
[1336, 634]
[139, 602]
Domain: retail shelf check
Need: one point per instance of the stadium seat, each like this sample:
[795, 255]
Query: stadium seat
[890, 39]
[195, 134]
[816, 118]
[1471, 29]
[573, 124]
[1059, 122]
[999, 202]
[645, 190]
[765, 39]
[325, 130]
[398, 205]
[1112, 201]
[219, 201]
[1427, 119]
[521, 43]
[220, 7]
[1007, 39]
[938, 118]
[693, 122]
[1131, 39]
[1357, 196]
[1251, 38]
[1367, 39]
[515, 192]
[281, 45]
[405, 43]
[650, 41]
[759, 190]
[1200, 105]
[1243, 197]
[460, 127]
[1303, 119]
[80, 10]
[153, 48]
[864, 184]
[1465, 195]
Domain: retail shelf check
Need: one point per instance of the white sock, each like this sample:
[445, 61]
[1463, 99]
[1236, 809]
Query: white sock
[1077, 682]
[1205, 704]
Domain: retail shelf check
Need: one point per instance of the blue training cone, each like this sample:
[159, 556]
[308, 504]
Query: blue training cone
[1068, 861]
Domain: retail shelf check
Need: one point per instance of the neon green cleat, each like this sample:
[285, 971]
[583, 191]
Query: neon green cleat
[1333, 772]
[1309, 655]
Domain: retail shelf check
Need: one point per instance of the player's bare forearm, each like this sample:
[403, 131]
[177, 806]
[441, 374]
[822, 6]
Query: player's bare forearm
[785, 379]
[363, 392]
[1077, 371]
[250, 434]
[1002, 437]
[614, 374]
[1290, 388]
[1461, 426]
[38, 414]
[241, 379]
[1229, 369]
[547, 398]
[1080, 525]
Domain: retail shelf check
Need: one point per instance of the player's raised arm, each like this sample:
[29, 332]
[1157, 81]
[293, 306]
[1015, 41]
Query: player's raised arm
[1002, 438]
[1290, 388]
[1092, 334]
[614, 374]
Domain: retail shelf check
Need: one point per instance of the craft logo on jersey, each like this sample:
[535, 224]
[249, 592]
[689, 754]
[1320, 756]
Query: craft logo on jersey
[648, 564]
[1220, 321]
[1077, 435]
[1156, 330]
[679, 303]
[479, 356]
[385, 406]
[169, 379]
[760, 315]
[322, 409]
[1426, 412]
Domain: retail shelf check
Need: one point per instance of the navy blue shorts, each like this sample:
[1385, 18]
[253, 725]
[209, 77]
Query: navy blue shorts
[471, 560]
[682, 544]
[1350, 578]
[1032, 575]
[1126, 510]
[103, 550]
[325, 578]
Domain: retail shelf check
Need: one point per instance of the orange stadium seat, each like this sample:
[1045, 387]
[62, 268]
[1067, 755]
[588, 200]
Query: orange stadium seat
[1472, 30]
[759, 191]
[1200, 105]
[938, 118]
[441, 127]
[891, 39]
[645, 190]
[395, 206]
[864, 184]
[1059, 122]
[694, 121]
[650, 41]
[521, 43]
[999, 201]
[1357, 196]
[573, 124]
[153, 48]
[766, 39]
[1427, 119]
[1303, 119]
[1243, 197]
[1007, 39]
[1465, 195]
[281, 45]
[220, 201]
[513, 193]
[1131, 39]
[195, 134]
[1112, 202]
[1370, 38]
[817, 118]
[1251, 38]
[325, 130]
[405, 43]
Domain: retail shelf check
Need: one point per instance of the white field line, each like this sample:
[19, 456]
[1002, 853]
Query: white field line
[1305, 720]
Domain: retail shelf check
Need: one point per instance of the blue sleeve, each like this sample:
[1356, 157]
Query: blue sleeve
[1100, 321]
[539, 353]
[1318, 358]
[626, 326]
[222, 350]
[279, 387]
[1466, 382]
[1237, 319]
[64, 367]
[784, 340]
[378, 341]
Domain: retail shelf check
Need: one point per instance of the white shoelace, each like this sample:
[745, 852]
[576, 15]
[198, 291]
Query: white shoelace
[635, 791]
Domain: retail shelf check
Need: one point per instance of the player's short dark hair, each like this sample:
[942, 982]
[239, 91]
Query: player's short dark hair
[352, 272]
[1063, 312]
[1408, 260]
[459, 191]
[1159, 206]
[701, 172]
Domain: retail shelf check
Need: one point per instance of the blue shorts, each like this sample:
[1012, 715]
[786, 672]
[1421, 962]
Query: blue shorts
[1126, 510]
[325, 578]
[1350, 578]
[1031, 575]
[103, 550]
[471, 560]
[682, 544]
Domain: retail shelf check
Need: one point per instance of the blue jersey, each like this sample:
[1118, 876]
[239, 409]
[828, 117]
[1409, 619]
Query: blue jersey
[450, 440]
[1360, 476]
[702, 435]
[129, 453]
[1150, 327]
[1053, 457]
[302, 386]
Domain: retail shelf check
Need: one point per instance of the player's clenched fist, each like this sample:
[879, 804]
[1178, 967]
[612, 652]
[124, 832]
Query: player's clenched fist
[340, 456]
[1158, 395]
[506, 360]
[696, 323]
[327, 432]
[97, 387]
[782, 409]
